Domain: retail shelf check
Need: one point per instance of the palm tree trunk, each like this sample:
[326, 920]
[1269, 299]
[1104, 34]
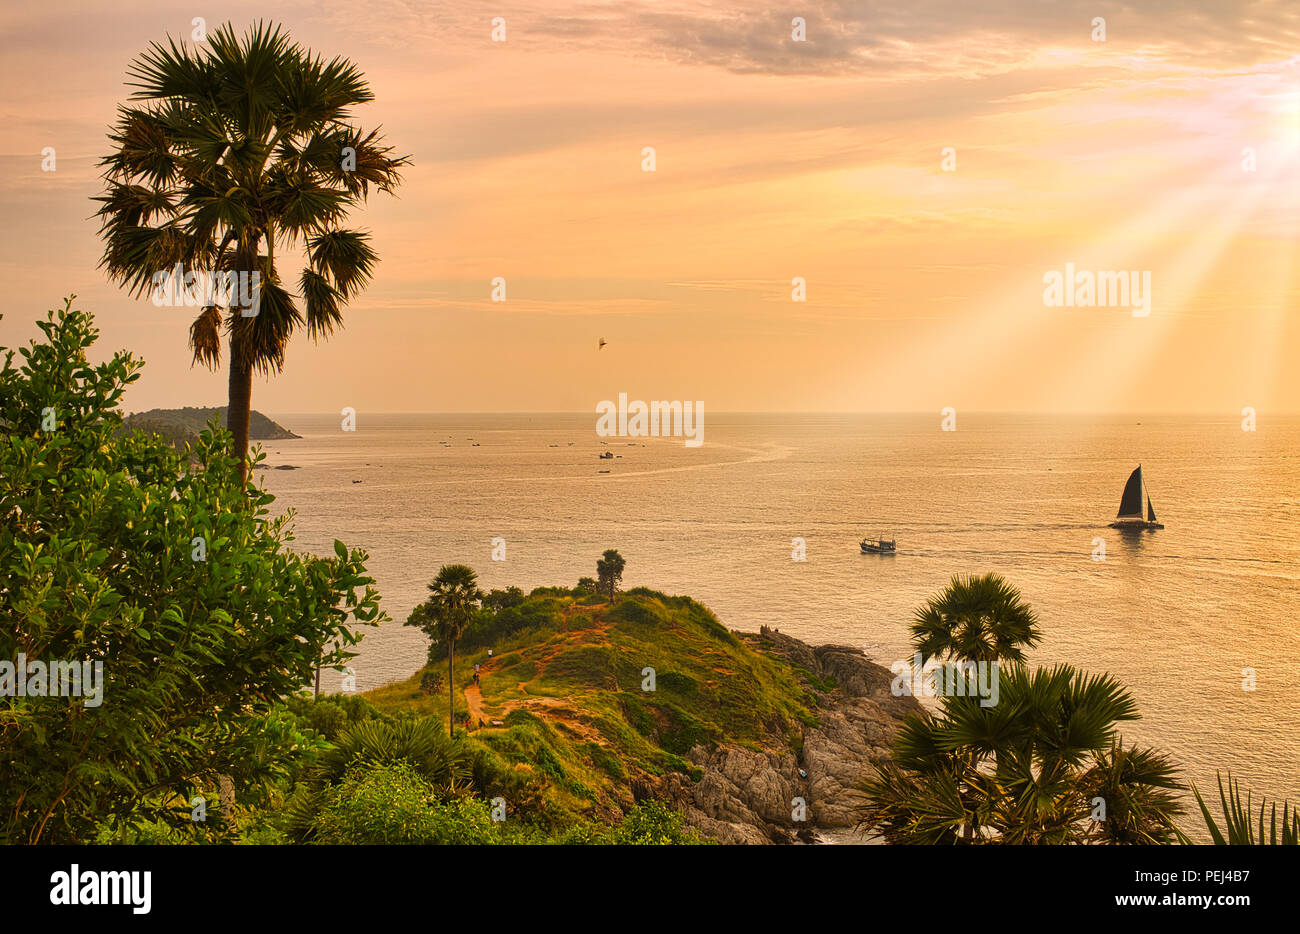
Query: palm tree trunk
[239, 394]
[239, 401]
[451, 690]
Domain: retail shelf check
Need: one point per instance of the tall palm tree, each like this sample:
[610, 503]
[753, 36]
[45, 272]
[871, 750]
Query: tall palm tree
[225, 153]
[454, 597]
[1027, 770]
[976, 618]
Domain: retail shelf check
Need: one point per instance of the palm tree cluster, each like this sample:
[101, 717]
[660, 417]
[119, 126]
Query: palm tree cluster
[223, 155]
[1044, 764]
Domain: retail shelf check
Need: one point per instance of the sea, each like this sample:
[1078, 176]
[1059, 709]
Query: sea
[1198, 619]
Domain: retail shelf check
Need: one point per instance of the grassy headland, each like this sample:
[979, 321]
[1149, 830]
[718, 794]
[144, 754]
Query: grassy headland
[570, 722]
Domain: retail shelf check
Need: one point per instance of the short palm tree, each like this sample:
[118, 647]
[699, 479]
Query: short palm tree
[976, 618]
[1029, 769]
[226, 153]
[454, 597]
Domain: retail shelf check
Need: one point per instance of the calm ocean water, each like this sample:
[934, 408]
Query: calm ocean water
[1174, 614]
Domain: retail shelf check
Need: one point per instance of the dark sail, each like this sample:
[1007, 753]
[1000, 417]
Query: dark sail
[1130, 504]
[1151, 513]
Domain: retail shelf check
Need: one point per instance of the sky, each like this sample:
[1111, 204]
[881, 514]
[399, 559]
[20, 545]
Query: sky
[921, 167]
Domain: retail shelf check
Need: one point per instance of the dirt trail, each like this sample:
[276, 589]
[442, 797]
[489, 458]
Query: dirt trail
[474, 698]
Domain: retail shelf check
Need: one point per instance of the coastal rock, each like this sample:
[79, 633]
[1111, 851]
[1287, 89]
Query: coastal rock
[746, 795]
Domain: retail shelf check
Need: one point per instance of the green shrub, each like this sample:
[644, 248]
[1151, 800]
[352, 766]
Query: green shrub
[633, 610]
[330, 714]
[677, 682]
[393, 804]
[636, 714]
[652, 823]
[520, 717]
[168, 570]
[683, 732]
[605, 760]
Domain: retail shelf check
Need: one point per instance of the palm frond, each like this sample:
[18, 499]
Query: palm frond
[346, 256]
[1238, 819]
[322, 304]
[205, 337]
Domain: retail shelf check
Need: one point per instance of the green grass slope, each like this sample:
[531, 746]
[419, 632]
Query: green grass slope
[575, 728]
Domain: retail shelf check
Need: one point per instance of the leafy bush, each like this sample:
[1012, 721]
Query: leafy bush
[393, 803]
[634, 711]
[423, 744]
[633, 610]
[683, 731]
[503, 599]
[603, 759]
[678, 682]
[330, 714]
[169, 571]
[652, 823]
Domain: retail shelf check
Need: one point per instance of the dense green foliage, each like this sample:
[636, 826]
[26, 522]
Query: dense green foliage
[395, 804]
[117, 549]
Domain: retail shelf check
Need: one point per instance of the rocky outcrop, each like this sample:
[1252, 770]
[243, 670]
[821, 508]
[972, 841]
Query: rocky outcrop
[748, 796]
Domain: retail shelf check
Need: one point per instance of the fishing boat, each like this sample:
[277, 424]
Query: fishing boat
[878, 546]
[1130, 514]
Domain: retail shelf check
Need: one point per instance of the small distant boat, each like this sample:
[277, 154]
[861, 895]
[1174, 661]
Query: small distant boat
[607, 456]
[1130, 515]
[879, 546]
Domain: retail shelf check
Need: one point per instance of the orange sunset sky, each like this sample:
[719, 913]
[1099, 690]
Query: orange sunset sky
[774, 159]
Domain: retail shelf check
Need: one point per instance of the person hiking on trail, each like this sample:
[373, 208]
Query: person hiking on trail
[480, 723]
[489, 653]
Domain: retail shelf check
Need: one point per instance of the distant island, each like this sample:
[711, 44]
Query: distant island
[182, 426]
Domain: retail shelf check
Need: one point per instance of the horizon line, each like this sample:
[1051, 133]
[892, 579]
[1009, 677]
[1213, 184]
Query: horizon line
[928, 412]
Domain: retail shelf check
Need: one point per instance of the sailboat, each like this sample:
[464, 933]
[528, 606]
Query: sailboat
[1130, 514]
